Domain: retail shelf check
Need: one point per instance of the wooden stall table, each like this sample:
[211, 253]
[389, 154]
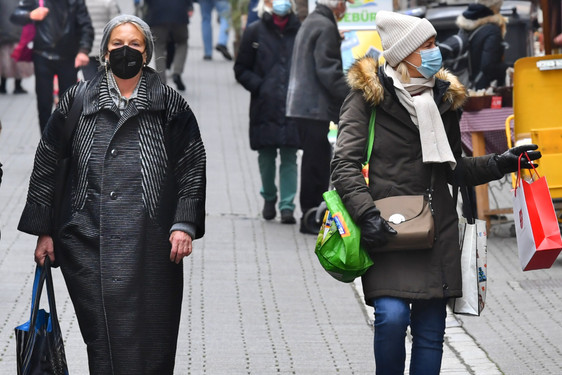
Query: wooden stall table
[483, 132]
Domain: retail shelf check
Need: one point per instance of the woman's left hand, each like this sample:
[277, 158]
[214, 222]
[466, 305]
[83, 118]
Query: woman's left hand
[181, 246]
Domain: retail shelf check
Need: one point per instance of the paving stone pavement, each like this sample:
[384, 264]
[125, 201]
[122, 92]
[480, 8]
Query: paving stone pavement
[256, 300]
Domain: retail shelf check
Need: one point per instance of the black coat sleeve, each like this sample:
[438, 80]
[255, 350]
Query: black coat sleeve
[20, 15]
[244, 67]
[329, 68]
[84, 27]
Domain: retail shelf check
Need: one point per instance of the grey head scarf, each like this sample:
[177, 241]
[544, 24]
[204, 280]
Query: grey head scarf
[119, 20]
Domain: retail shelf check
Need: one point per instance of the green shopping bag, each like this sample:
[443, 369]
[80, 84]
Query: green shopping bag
[338, 246]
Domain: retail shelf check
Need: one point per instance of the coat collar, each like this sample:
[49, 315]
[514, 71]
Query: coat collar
[150, 96]
[364, 76]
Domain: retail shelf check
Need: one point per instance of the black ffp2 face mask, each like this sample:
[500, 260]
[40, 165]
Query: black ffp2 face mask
[125, 62]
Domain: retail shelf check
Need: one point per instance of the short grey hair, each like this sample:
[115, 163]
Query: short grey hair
[120, 20]
[330, 3]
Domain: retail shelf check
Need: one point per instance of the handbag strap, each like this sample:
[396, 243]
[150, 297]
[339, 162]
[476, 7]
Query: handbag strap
[54, 320]
[38, 283]
[43, 274]
[466, 198]
[371, 138]
[73, 116]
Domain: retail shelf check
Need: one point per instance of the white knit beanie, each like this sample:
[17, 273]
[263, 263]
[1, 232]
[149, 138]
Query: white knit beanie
[401, 34]
[491, 3]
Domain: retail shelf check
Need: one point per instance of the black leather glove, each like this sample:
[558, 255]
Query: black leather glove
[374, 229]
[507, 162]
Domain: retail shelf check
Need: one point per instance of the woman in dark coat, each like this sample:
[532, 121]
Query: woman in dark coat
[416, 132]
[137, 201]
[487, 46]
[262, 67]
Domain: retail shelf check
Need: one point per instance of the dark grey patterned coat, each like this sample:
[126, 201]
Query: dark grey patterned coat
[133, 176]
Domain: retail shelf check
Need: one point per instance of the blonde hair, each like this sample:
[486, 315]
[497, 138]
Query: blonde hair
[402, 70]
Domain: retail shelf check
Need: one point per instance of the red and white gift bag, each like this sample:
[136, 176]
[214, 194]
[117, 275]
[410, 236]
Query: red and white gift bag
[536, 226]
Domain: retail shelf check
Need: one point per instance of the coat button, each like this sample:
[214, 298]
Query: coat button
[445, 286]
[114, 152]
[113, 195]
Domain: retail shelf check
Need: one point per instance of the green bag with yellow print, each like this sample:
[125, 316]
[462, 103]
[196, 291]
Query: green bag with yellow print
[338, 246]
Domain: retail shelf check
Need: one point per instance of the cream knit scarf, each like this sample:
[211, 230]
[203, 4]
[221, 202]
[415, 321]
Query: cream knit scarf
[417, 98]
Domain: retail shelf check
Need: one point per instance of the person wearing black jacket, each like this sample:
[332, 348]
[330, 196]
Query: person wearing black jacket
[262, 67]
[317, 89]
[63, 40]
[487, 46]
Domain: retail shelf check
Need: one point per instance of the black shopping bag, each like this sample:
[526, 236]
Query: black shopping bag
[39, 344]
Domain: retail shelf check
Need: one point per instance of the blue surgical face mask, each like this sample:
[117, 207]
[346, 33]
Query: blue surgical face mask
[431, 61]
[281, 7]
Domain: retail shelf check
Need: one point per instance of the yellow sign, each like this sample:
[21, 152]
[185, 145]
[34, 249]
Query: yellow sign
[359, 43]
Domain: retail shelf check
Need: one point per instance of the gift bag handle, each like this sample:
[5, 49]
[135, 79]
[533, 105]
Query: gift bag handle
[519, 169]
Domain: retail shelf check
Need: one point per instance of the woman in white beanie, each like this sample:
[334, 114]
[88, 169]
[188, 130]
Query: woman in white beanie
[487, 45]
[416, 151]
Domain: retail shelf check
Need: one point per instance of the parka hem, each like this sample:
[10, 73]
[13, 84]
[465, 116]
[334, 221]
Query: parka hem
[409, 295]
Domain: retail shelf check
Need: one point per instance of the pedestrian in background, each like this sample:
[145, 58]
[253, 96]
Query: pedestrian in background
[487, 46]
[223, 9]
[262, 66]
[136, 203]
[63, 40]
[416, 151]
[9, 38]
[317, 88]
[101, 12]
[170, 20]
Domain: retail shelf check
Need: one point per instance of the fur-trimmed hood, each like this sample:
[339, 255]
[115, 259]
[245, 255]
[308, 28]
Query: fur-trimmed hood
[469, 25]
[363, 76]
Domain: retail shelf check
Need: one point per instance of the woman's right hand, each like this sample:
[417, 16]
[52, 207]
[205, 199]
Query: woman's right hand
[45, 247]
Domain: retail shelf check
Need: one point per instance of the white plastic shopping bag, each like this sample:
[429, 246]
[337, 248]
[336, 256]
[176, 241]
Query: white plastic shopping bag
[473, 241]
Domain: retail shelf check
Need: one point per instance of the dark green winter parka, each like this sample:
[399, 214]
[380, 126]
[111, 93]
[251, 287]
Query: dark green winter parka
[395, 169]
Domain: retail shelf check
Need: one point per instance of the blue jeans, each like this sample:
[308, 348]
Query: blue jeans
[427, 321]
[223, 9]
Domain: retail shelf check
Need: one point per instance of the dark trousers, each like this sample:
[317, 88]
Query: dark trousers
[179, 33]
[45, 71]
[315, 164]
